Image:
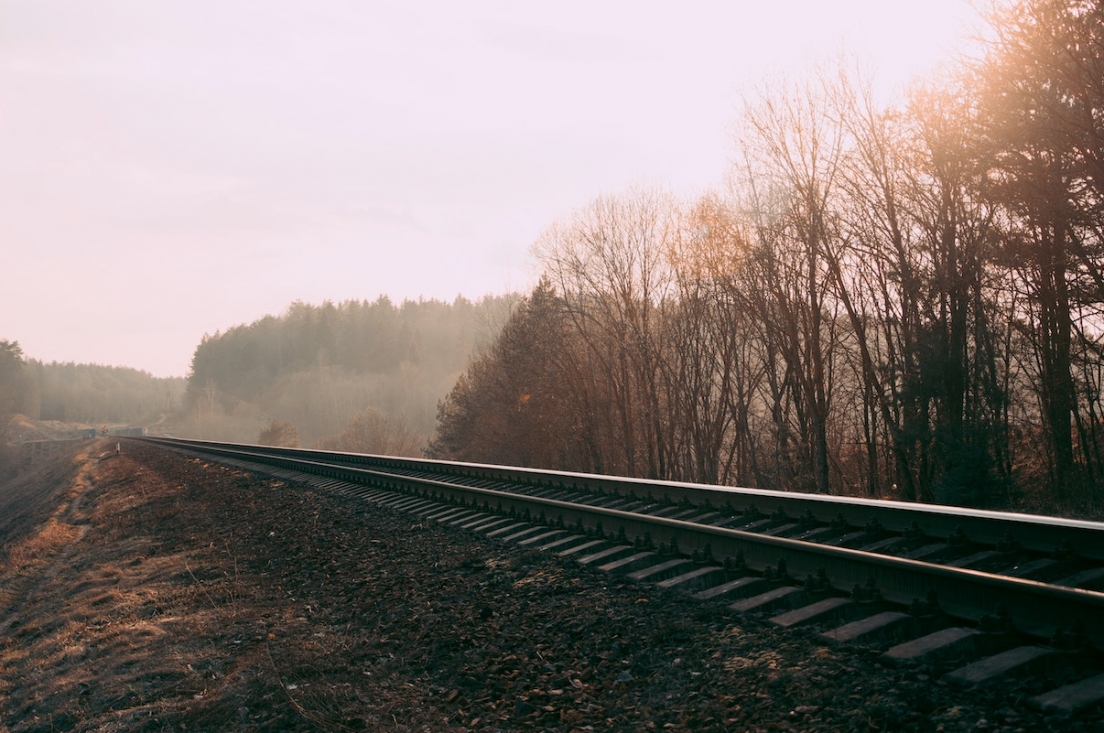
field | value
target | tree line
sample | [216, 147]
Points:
[898, 302]
[88, 394]
[75, 394]
[95, 394]
[14, 392]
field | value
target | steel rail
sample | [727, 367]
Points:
[1035, 608]
[1033, 532]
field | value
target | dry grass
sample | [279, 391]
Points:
[97, 622]
[123, 606]
[41, 547]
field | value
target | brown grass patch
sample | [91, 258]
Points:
[43, 546]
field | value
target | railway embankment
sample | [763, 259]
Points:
[151, 591]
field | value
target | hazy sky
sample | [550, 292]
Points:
[172, 168]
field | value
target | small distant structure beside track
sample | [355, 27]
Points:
[32, 449]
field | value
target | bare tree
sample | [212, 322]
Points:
[911, 276]
[709, 375]
[609, 267]
[794, 148]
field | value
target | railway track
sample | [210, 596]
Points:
[978, 595]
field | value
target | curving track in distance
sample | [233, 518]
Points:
[936, 583]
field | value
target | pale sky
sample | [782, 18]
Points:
[177, 167]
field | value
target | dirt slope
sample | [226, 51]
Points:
[163, 593]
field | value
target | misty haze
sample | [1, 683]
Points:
[892, 290]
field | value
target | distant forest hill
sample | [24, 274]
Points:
[357, 375]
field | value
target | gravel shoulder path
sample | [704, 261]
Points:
[167, 593]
